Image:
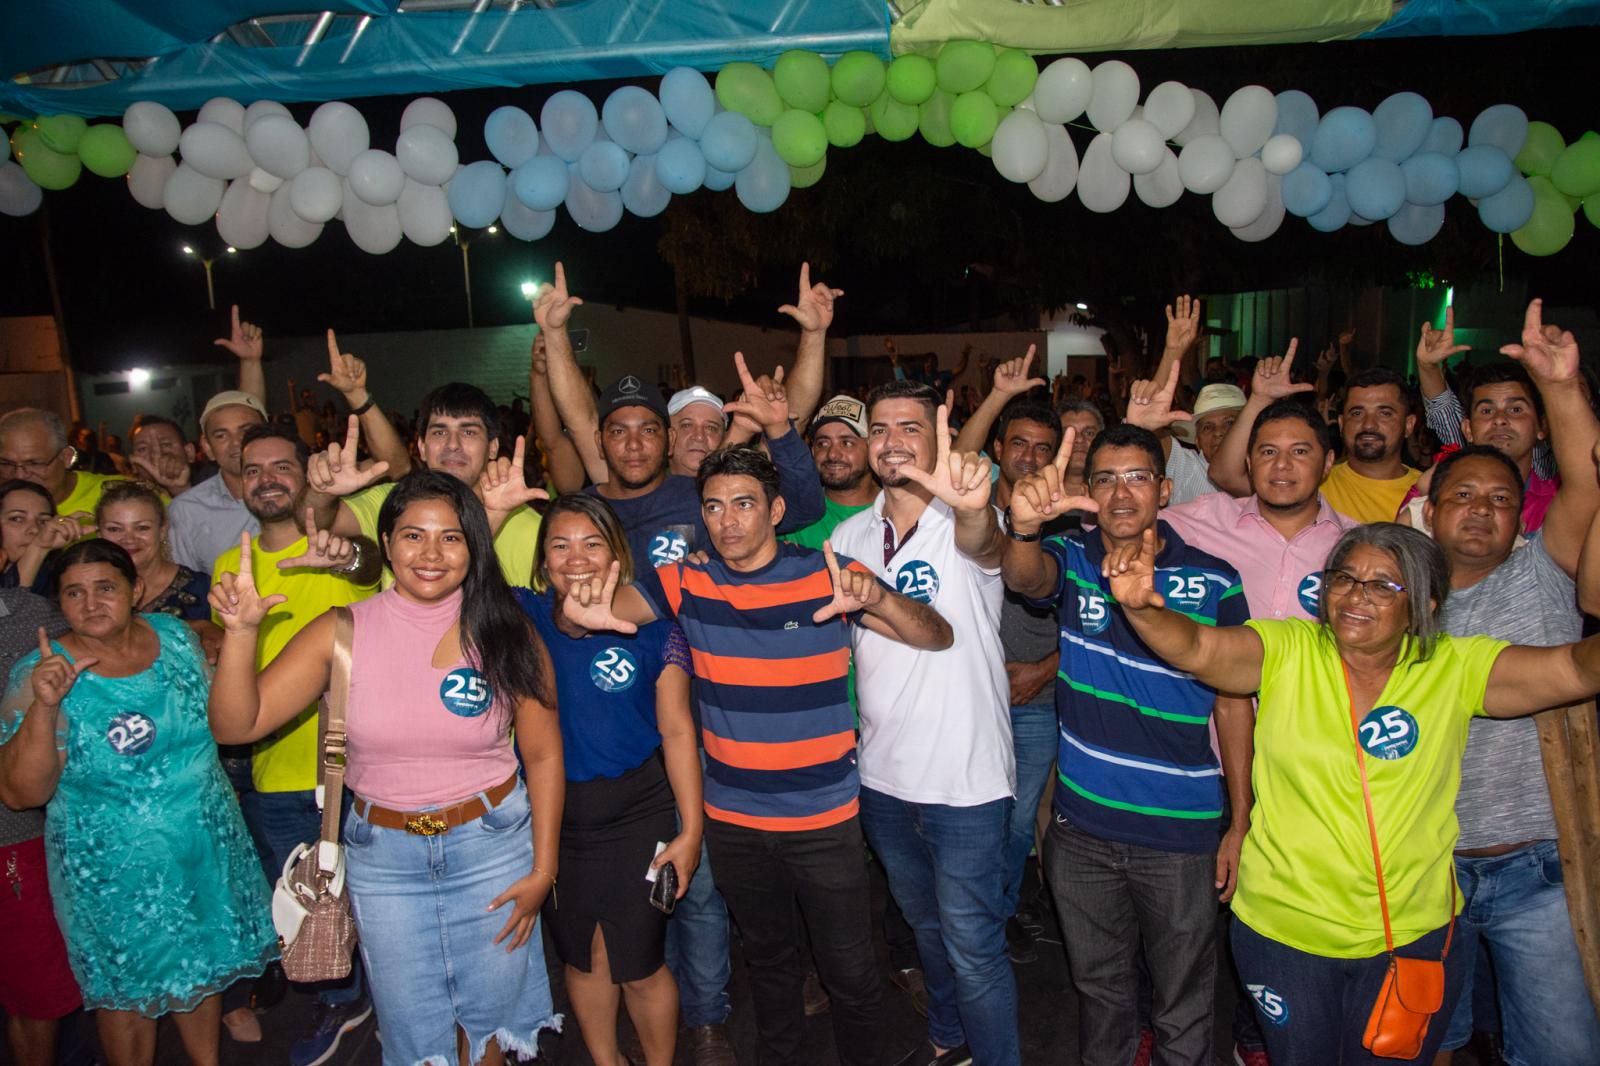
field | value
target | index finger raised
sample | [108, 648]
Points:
[745, 379]
[941, 432]
[246, 564]
[352, 437]
[1069, 438]
[1288, 355]
[828, 557]
[44, 645]
[333, 352]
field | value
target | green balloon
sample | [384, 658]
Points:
[105, 150]
[846, 125]
[805, 177]
[986, 150]
[1577, 168]
[912, 79]
[1552, 224]
[1591, 208]
[48, 168]
[1015, 73]
[61, 133]
[933, 119]
[858, 78]
[893, 120]
[973, 118]
[963, 66]
[799, 138]
[747, 89]
[1540, 150]
[802, 80]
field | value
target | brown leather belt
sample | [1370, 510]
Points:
[432, 823]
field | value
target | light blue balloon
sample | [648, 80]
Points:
[1403, 121]
[511, 136]
[1416, 223]
[718, 180]
[634, 119]
[763, 186]
[688, 100]
[1297, 116]
[1444, 136]
[1359, 220]
[643, 194]
[541, 183]
[1485, 170]
[1376, 188]
[1344, 137]
[1337, 213]
[729, 142]
[524, 223]
[1431, 178]
[477, 194]
[1510, 208]
[604, 166]
[594, 211]
[569, 122]
[1505, 126]
[1306, 190]
[680, 167]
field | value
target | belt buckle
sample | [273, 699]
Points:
[426, 825]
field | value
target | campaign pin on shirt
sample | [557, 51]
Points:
[668, 546]
[1388, 733]
[1093, 612]
[465, 692]
[130, 733]
[614, 670]
[1310, 593]
[917, 580]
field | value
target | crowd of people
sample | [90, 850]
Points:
[631, 675]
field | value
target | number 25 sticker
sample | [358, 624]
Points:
[130, 733]
[1388, 733]
[464, 692]
[613, 670]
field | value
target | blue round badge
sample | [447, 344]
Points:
[465, 692]
[918, 580]
[1183, 586]
[1274, 1008]
[1388, 733]
[668, 546]
[614, 670]
[1094, 614]
[130, 733]
[1310, 592]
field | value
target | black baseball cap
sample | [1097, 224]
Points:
[629, 391]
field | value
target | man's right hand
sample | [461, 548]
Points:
[503, 486]
[1271, 380]
[235, 599]
[554, 305]
[1437, 345]
[1044, 495]
[1011, 377]
[346, 373]
[1183, 323]
[335, 472]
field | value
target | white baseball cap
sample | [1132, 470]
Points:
[693, 394]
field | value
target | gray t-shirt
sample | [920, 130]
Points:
[1028, 634]
[1528, 599]
[21, 614]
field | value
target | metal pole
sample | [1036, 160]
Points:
[211, 293]
[466, 279]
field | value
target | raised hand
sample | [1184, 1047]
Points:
[55, 675]
[1044, 495]
[346, 373]
[1132, 571]
[853, 590]
[960, 479]
[58, 531]
[1549, 353]
[765, 402]
[1271, 380]
[553, 306]
[170, 472]
[892, 350]
[324, 550]
[1183, 323]
[1326, 359]
[1011, 377]
[1437, 345]
[813, 310]
[245, 339]
[336, 472]
[541, 357]
[235, 599]
[1150, 404]
[1347, 336]
[588, 603]
[503, 485]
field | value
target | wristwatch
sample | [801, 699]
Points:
[1025, 538]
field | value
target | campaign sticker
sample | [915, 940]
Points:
[917, 580]
[1094, 614]
[1388, 733]
[464, 692]
[1272, 1005]
[1310, 592]
[668, 546]
[614, 670]
[130, 733]
[1184, 587]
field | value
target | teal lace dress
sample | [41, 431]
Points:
[157, 886]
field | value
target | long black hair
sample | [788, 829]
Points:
[495, 635]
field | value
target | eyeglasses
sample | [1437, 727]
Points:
[1378, 590]
[1134, 479]
[25, 469]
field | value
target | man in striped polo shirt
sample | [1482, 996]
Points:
[1133, 857]
[768, 626]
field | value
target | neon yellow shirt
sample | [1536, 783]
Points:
[287, 760]
[1366, 499]
[1306, 877]
[85, 494]
[513, 545]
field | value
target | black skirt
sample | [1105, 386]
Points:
[609, 830]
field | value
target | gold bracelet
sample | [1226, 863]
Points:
[555, 901]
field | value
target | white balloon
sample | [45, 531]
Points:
[261, 181]
[191, 197]
[424, 212]
[433, 112]
[224, 111]
[1206, 120]
[1243, 196]
[1063, 90]
[523, 222]
[1169, 107]
[278, 145]
[1137, 146]
[1206, 164]
[286, 227]
[1116, 94]
[151, 128]
[1102, 185]
[242, 216]
[375, 228]
[1281, 153]
[261, 109]
[148, 179]
[215, 151]
[1271, 217]
[427, 154]
[316, 194]
[1163, 186]
[1247, 119]
[376, 177]
[338, 134]
[1060, 173]
[1020, 148]
[18, 194]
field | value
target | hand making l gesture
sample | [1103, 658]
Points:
[1271, 380]
[54, 675]
[1043, 495]
[553, 306]
[959, 479]
[853, 590]
[1549, 353]
[336, 472]
[324, 549]
[235, 599]
[1437, 345]
[244, 341]
[764, 402]
[503, 485]
[588, 603]
[1011, 377]
[346, 373]
[1131, 569]
[1150, 403]
[813, 309]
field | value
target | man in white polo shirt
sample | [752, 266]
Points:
[936, 763]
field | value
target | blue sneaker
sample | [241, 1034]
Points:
[333, 1021]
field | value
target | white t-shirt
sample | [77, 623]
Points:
[935, 725]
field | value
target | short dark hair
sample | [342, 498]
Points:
[273, 431]
[146, 421]
[738, 461]
[97, 550]
[1292, 410]
[18, 484]
[457, 399]
[1024, 409]
[906, 389]
[1086, 407]
[1128, 436]
[1375, 377]
[1499, 372]
[1441, 472]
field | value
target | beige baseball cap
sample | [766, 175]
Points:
[847, 409]
[233, 397]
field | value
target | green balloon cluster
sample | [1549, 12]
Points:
[1564, 177]
[54, 150]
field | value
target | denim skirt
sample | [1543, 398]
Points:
[427, 936]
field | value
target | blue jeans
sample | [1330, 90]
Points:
[946, 867]
[1034, 738]
[698, 950]
[1516, 905]
[278, 821]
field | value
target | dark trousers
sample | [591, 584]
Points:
[769, 879]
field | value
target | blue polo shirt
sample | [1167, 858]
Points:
[1134, 762]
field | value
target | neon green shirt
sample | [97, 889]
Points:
[513, 545]
[813, 535]
[1306, 877]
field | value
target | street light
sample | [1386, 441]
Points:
[465, 244]
[206, 261]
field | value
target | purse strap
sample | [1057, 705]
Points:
[331, 742]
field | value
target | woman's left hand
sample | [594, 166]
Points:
[1228, 862]
[526, 896]
[684, 855]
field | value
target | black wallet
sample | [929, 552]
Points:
[664, 890]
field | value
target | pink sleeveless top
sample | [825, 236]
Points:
[419, 736]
